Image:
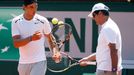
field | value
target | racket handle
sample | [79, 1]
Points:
[57, 61]
[56, 55]
[55, 50]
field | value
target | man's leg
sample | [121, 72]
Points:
[100, 72]
[39, 68]
[24, 69]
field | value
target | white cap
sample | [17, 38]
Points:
[98, 6]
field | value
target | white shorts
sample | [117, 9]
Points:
[101, 72]
[38, 68]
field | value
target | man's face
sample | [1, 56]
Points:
[30, 9]
[98, 18]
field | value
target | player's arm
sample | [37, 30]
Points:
[91, 57]
[114, 56]
[18, 41]
[51, 41]
[111, 42]
[54, 48]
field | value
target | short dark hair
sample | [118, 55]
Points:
[27, 2]
[105, 12]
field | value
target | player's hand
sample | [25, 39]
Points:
[84, 62]
[83, 59]
[56, 55]
[36, 36]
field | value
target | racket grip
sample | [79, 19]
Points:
[55, 50]
[57, 61]
[57, 56]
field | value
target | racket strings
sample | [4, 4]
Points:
[62, 31]
[69, 57]
[65, 62]
[62, 34]
[63, 69]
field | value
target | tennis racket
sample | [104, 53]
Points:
[61, 33]
[66, 63]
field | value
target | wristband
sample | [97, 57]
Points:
[114, 69]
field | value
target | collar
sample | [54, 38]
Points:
[104, 24]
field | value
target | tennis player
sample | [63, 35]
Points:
[28, 32]
[108, 53]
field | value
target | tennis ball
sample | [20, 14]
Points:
[60, 22]
[129, 0]
[54, 21]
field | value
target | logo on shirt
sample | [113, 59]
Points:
[36, 23]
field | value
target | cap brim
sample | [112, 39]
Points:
[90, 14]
